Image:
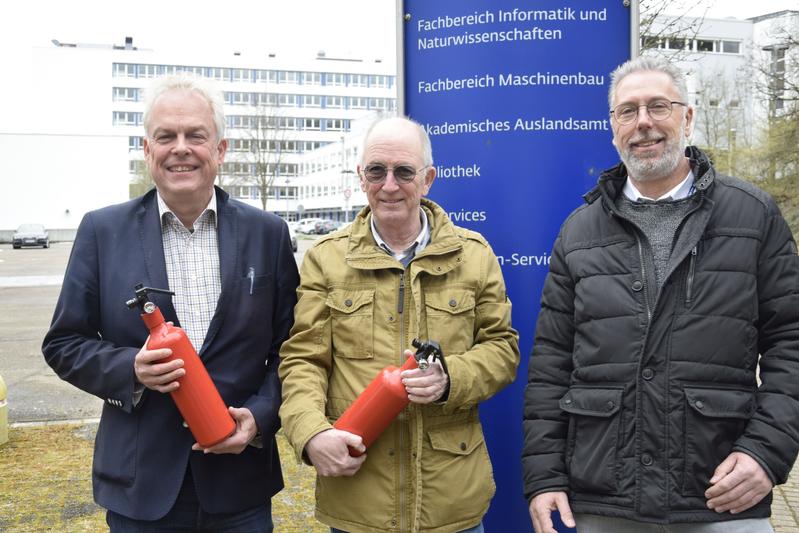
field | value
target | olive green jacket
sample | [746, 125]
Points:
[357, 311]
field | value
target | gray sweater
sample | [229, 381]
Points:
[659, 221]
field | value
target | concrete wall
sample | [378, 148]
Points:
[55, 179]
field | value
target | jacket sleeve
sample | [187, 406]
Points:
[491, 363]
[306, 358]
[772, 434]
[265, 404]
[545, 424]
[74, 346]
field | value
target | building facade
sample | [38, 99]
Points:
[277, 109]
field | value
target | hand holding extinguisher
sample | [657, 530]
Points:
[196, 396]
[386, 396]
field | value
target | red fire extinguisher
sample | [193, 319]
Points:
[197, 398]
[377, 406]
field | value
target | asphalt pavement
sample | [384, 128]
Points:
[30, 281]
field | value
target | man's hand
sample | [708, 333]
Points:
[330, 455]
[154, 374]
[738, 483]
[541, 507]
[245, 431]
[424, 386]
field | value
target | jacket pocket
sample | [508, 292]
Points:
[714, 419]
[115, 446]
[352, 323]
[591, 454]
[450, 318]
[456, 470]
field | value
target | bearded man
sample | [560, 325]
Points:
[668, 291]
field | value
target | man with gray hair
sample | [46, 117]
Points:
[234, 277]
[400, 271]
[668, 290]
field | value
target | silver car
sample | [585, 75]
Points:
[31, 235]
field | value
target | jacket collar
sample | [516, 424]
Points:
[611, 182]
[363, 251]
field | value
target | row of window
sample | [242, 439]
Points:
[235, 170]
[135, 118]
[249, 122]
[132, 94]
[240, 171]
[137, 70]
[136, 143]
[247, 145]
[330, 161]
[715, 46]
[254, 193]
[244, 169]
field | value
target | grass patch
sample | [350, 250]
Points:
[46, 484]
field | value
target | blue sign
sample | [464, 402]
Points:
[514, 97]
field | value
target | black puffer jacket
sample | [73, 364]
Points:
[635, 395]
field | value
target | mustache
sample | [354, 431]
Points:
[644, 138]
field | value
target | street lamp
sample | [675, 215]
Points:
[346, 190]
[286, 191]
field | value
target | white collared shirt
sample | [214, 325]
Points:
[682, 190]
[192, 268]
[419, 244]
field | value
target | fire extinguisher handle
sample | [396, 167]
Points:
[424, 349]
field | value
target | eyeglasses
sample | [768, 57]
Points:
[656, 109]
[377, 173]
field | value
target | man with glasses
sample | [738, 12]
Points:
[643, 410]
[400, 271]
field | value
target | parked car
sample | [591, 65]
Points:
[31, 235]
[324, 227]
[307, 225]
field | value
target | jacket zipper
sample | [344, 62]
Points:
[401, 299]
[401, 318]
[690, 284]
[643, 275]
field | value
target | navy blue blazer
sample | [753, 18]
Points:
[141, 452]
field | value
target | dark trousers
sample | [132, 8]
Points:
[187, 515]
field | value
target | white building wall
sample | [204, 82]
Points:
[55, 179]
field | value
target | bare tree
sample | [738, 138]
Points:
[267, 141]
[142, 180]
[777, 69]
[722, 123]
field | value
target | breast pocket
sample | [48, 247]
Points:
[352, 322]
[714, 419]
[450, 319]
[592, 450]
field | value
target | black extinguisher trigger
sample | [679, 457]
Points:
[424, 349]
[141, 297]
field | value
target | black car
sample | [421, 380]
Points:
[31, 235]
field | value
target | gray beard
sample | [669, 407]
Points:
[653, 169]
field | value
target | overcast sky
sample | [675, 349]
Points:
[363, 28]
[359, 28]
[734, 8]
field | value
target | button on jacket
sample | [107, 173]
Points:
[358, 309]
[636, 393]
